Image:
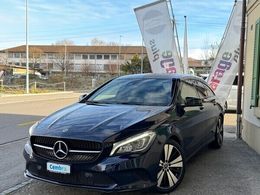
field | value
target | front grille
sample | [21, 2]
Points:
[80, 146]
[72, 143]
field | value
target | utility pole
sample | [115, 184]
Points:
[27, 47]
[119, 53]
[240, 69]
[65, 58]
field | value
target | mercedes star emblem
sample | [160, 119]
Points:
[60, 150]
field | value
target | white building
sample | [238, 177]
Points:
[100, 59]
[251, 108]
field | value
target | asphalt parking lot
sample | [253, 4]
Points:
[234, 169]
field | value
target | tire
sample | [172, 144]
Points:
[219, 133]
[171, 167]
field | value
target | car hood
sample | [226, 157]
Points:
[97, 122]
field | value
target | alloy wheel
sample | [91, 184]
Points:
[219, 132]
[171, 168]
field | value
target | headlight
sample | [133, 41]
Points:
[32, 128]
[28, 149]
[136, 143]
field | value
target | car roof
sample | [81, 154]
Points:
[162, 76]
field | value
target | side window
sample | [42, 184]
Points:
[209, 91]
[203, 90]
[187, 90]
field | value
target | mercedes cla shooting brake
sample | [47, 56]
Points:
[132, 133]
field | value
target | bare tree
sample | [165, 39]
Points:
[112, 68]
[213, 50]
[62, 61]
[97, 42]
[86, 69]
[4, 58]
[35, 57]
[209, 51]
[64, 42]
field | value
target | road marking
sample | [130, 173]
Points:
[9, 142]
[26, 123]
[17, 187]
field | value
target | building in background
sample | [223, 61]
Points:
[200, 66]
[57, 58]
[95, 59]
[251, 106]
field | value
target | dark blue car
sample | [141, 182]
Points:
[132, 133]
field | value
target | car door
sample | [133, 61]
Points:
[211, 110]
[189, 123]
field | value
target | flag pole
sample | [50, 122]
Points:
[240, 69]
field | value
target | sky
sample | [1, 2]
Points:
[83, 20]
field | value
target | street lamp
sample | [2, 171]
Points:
[119, 53]
[27, 47]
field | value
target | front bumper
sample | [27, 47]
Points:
[117, 173]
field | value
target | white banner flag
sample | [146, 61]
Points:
[156, 27]
[225, 66]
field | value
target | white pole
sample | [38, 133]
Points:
[119, 53]
[65, 58]
[142, 57]
[27, 47]
[185, 49]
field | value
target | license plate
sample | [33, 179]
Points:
[58, 168]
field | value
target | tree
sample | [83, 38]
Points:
[97, 42]
[64, 42]
[4, 58]
[146, 65]
[62, 61]
[209, 51]
[35, 57]
[134, 65]
[86, 69]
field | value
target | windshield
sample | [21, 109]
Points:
[149, 92]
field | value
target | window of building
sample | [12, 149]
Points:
[113, 57]
[256, 67]
[44, 56]
[71, 56]
[50, 56]
[92, 57]
[99, 57]
[10, 55]
[78, 56]
[85, 56]
[106, 57]
[17, 55]
[23, 55]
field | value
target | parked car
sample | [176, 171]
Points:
[133, 132]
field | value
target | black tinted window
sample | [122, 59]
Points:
[151, 92]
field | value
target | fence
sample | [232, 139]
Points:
[35, 87]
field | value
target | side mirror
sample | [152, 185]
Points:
[193, 101]
[82, 97]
